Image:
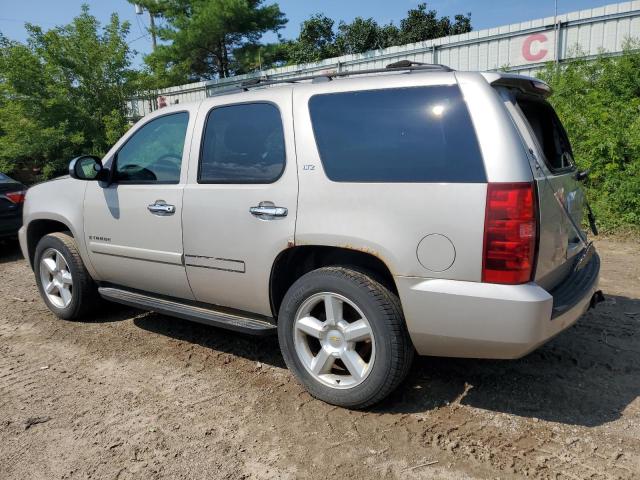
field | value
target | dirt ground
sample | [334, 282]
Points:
[140, 395]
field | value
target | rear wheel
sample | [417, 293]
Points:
[343, 335]
[63, 281]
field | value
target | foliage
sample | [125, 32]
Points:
[63, 92]
[363, 35]
[319, 40]
[422, 24]
[599, 103]
[315, 42]
[202, 39]
[255, 57]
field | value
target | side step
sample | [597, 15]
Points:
[188, 311]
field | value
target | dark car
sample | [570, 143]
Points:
[11, 200]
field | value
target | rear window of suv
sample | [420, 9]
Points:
[549, 132]
[417, 134]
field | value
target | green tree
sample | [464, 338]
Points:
[202, 39]
[599, 104]
[422, 24]
[63, 92]
[362, 35]
[319, 40]
[315, 42]
[255, 57]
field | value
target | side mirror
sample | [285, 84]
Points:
[87, 167]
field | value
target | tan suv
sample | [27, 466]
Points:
[365, 218]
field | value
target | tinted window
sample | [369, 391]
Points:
[242, 144]
[154, 153]
[421, 134]
[549, 132]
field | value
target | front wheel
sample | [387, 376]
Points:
[63, 281]
[343, 336]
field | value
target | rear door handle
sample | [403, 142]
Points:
[160, 207]
[266, 211]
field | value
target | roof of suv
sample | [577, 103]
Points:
[363, 78]
[525, 83]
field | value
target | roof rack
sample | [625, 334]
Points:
[400, 66]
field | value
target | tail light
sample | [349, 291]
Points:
[509, 233]
[16, 197]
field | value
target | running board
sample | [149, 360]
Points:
[187, 311]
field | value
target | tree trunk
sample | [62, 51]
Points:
[225, 57]
[219, 57]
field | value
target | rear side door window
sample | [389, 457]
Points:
[153, 154]
[242, 143]
[417, 134]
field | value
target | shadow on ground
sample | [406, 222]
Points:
[257, 349]
[9, 251]
[586, 376]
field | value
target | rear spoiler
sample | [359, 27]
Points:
[521, 82]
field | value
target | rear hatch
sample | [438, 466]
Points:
[558, 191]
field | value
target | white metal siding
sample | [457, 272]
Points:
[523, 47]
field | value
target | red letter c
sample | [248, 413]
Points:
[526, 47]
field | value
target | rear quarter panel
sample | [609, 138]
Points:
[387, 220]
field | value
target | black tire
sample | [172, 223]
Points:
[84, 293]
[394, 350]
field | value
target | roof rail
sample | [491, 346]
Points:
[401, 66]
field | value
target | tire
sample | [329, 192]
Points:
[308, 336]
[82, 294]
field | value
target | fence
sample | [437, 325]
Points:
[521, 47]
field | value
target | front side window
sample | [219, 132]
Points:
[242, 143]
[154, 153]
[417, 134]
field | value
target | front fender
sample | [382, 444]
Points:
[60, 200]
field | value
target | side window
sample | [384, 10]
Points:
[417, 134]
[242, 143]
[154, 153]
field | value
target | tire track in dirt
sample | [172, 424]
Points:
[140, 395]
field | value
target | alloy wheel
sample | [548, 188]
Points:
[56, 278]
[334, 340]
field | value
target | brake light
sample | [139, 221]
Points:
[16, 197]
[509, 233]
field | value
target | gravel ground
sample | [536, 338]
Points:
[140, 395]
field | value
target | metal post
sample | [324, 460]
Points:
[558, 42]
[556, 32]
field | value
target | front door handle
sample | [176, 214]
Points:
[267, 211]
[160, 207]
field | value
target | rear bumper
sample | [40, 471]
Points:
[482, 320]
